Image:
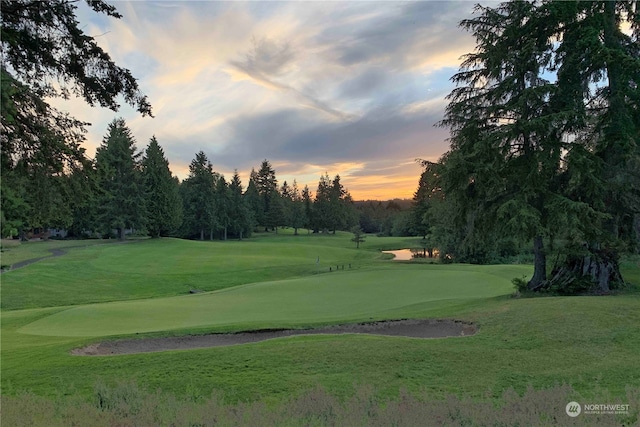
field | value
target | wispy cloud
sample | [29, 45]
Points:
[343, 87]
[267, 61]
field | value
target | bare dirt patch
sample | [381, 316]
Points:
[413, 328]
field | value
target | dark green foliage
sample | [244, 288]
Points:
[122, 198]
[222, 204]
[422, 200]
[322, 205]
[267, 186]
[163, 203]
[308, 207]
[43, 43]
[85, 199]
[198, 196]
[46, 54]
[253, 203]
[544, 144]
[343, 215]
[286, 204]
[384, 218]
[13, 207]
[40, 146]
[499, 122]
[358, 236]
[298, 215]
[241, 219]
[276, 216]
[333, 207]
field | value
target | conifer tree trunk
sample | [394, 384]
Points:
[539, 264]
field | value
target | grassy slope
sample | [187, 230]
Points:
[14, 251]
[167, 267]
[590, 342]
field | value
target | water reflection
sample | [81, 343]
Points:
[409, 254]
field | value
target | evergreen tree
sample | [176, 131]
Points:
[358, 236]
[505, 157]
[199, 198]
[240, 224]
[341, 211]
[308, 208]
[267, 185]
[422, 201]
[40, 147]
[286, 202]
[275, 216]
[43, 44]
[298, 214]
[45, 54]
[253, 202]
[530, 155]
[122, 202]
[163, 203]
[336, 207]
[223, 206]
[321, 220]
[598, 78]
[85, 194]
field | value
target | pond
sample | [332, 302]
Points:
[407, 254]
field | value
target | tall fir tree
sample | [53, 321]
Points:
[286, 202]
[122, 201]
[198, 195]
[321, 220]
[163, 202]
[267, 185]
[223, 207]
[85, 201]
[241, 221]
[342, 214]
[307, 202]
[529, 154]
[297, 209]
[253, 201]
[45, 54]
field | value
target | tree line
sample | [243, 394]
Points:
[123, 189]
[48, 181]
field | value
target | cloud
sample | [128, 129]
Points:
[344, 87]
[266, 61]
[404, 36]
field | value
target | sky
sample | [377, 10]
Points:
[350, 88]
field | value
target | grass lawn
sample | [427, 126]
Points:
[591, 343]
[14, 251]
[164, 267]
[333, 297]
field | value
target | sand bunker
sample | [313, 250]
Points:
[414, 328]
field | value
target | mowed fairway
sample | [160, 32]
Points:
[141, 289]
[166, 267]
[329, 297]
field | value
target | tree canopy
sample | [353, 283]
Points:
[45, 54]
[544, 133]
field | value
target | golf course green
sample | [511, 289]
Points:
[142, 289]
[337, 297]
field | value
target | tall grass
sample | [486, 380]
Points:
[125, 404]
